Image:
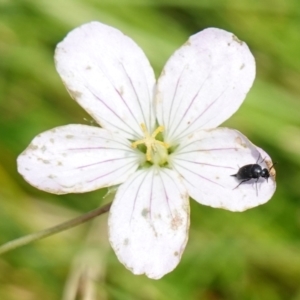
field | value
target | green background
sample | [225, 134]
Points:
[249, 255]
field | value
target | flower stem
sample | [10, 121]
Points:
[50, 231]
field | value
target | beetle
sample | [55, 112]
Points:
[252, 171]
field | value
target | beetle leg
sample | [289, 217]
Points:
[256, 187]
[242, 182]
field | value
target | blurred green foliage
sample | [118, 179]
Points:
[251, 255]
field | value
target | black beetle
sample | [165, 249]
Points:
[252, 171]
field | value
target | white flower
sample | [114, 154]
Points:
[158, 141]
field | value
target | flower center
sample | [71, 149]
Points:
[156, 152]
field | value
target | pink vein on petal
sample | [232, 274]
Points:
[136, 95]
[105, 161]
[148, 92]
[166, 196]
[174, 96]
[99, 148]
[130, 163]
[151, 194]
[110, 140]
[204, 111]
[172, 179]
[141, 183]
[205, 164]
[117, 91]
[111, 110]
[191, 103]
[204, 150]
[198, 175]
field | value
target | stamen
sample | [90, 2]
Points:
[150, 141]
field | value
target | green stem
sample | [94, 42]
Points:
[50, 231]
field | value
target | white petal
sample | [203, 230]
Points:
[207, 159]
[76, 159]
[149, 221]
[203, 83]
[109, 76]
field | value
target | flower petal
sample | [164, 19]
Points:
[149, 221]
[203, 83]
[76, 159]
[109, 76]
[207, 159]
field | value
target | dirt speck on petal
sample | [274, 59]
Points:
[145, 212]
[272, 171]
[237, 40]
[75, 94]
[33, 147]
[45, 161]
[240, 142]
[190, 136]
[176, 221]
[121, 90]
